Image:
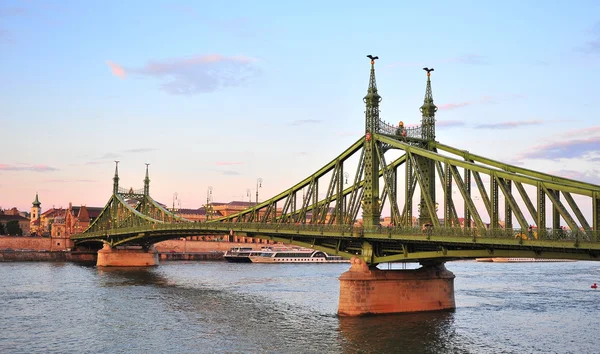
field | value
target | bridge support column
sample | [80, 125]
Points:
[126, 257]
[365, 290]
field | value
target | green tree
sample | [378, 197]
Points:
[2, 229]
[13, 228]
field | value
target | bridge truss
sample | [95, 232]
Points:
[488, 208]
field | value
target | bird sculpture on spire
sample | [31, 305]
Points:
[373, 58]
[428, 70]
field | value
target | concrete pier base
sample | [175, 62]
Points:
[127, 257]
[365, 290]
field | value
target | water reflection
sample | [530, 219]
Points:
[131, 276]
[399, 333]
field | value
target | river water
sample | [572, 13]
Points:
[219, 307]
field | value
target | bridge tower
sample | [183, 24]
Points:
[147, 183]
[426, 167]
[124, 257]
[370, 290]
[370, 202]
[115, 206]
[116, 179]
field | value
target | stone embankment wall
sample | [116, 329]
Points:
[26, 243]
[35, 243]
[203, 256]
[46, 256]
[26, 249]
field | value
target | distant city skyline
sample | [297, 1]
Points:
[219, 94]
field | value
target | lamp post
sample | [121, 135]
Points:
[173, 210]
[258, 185]
[346, 175]
[208, 199]
[249, 194]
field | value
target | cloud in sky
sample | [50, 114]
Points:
[583, 132]
[592, 176]
[483, 99]
[449, 106]
[117, 69]
[564, 149]
[228, 163]
[196, 74]
[231, 173]
[27, 167]
[69, 181]
[593, 45]
[109, 155]
[112, 155]
[508, 125]
[139, 150]
[306, 121]
[449, 123]
[56, 181]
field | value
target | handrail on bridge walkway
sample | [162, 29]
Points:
[356, 231]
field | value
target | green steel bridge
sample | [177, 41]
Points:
[422, 174]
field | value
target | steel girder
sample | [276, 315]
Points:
[502, 177]
[376, 245]
[118, 214]
[120, 224]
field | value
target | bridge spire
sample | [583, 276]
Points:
[147, 182]
[426, 167]
[116, 179]
[372, 100]
[428, 110]
[370, 202]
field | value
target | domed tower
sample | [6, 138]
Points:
[36, 209]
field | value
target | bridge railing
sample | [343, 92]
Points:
[471, 234]
[411, 132]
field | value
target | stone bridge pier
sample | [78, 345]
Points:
[368, 290]
[126, 257]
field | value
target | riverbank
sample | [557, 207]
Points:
[40, 249]
[90, 257]
[10, 255]
[192, 256]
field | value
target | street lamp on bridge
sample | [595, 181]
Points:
[249, 195]
[258, 185]
[208, 200]
[173, 210]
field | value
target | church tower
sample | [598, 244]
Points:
[36, 209]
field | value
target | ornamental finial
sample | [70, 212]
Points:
[373, 58]
[428, 110]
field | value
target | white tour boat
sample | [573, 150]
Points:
[295, 255]
[241, 254]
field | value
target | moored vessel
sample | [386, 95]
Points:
[241, 254]
[296, 255]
